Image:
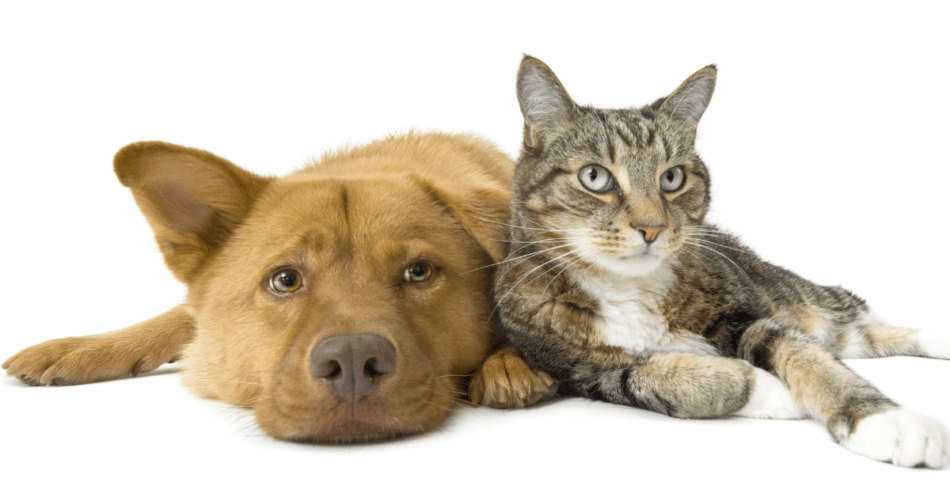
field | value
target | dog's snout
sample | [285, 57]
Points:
[352, 365]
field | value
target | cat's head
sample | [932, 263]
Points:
[622, 189]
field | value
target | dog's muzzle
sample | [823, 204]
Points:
[352, 366]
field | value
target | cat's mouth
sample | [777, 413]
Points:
[640, 261]
[643, 251]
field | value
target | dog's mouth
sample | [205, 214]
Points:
[333, 420]
[357, 389]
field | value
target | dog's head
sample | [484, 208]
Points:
[347, 301]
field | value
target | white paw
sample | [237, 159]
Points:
[934, 343]
[901, 437]
[770, 399]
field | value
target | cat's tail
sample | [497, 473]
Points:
[871, 337]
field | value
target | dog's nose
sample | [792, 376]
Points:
[352, 365]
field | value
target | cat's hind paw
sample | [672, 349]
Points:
[901, 437]
[769, 398]
[505, 381]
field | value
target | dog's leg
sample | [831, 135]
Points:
[857, 415]
[126, 352]
[505, 380]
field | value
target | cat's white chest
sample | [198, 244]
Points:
[630, 316]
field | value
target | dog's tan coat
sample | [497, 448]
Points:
[350, 224]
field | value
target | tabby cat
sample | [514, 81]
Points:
[616, 286]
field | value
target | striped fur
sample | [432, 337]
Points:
[690, 323]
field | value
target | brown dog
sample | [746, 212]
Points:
[347, 301]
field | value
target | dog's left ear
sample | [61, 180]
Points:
[482, 212]
[193, 200]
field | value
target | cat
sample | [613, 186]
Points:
[616, 286]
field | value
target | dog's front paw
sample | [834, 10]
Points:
[505, 380]
[901, 437]
[71, 361]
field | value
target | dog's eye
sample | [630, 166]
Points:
[417, 272]
[286, 281]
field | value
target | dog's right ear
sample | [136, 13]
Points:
[193, 200]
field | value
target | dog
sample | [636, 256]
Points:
[345, 302]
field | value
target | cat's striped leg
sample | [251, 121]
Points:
[872, 338]
[856, 414]
[685, 385]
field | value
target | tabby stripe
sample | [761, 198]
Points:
[668, 148]
[594, 392]
[727, 328]
[622, 133]
[543, 182]
[548, 209]
[668, 408]
[611, 151]
[625, 384]
[859, 407]
[760, 354]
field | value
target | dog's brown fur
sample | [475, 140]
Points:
[350, 224]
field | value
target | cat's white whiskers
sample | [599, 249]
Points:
[510, 259]
[549, 230]
[704, 233]
[528, 242]
[698, 243]
[580, 257]
[574, 257]
[696, 255]
[729, 247]
[517, 283]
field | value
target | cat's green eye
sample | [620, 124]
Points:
[596, 179]
[673, 179]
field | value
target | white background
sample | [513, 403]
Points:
[826, 139]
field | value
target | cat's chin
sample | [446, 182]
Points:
[635, 266]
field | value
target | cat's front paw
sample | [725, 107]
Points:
[901, 437]
[505, 380]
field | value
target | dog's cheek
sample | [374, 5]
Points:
[216, 370]
[467, 333]
[445, 392]
[231, 358]
[275, 423]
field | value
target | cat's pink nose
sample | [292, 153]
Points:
[650, 232]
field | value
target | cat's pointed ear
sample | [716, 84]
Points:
[192, 199]
[688, 103]
[544, 102]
